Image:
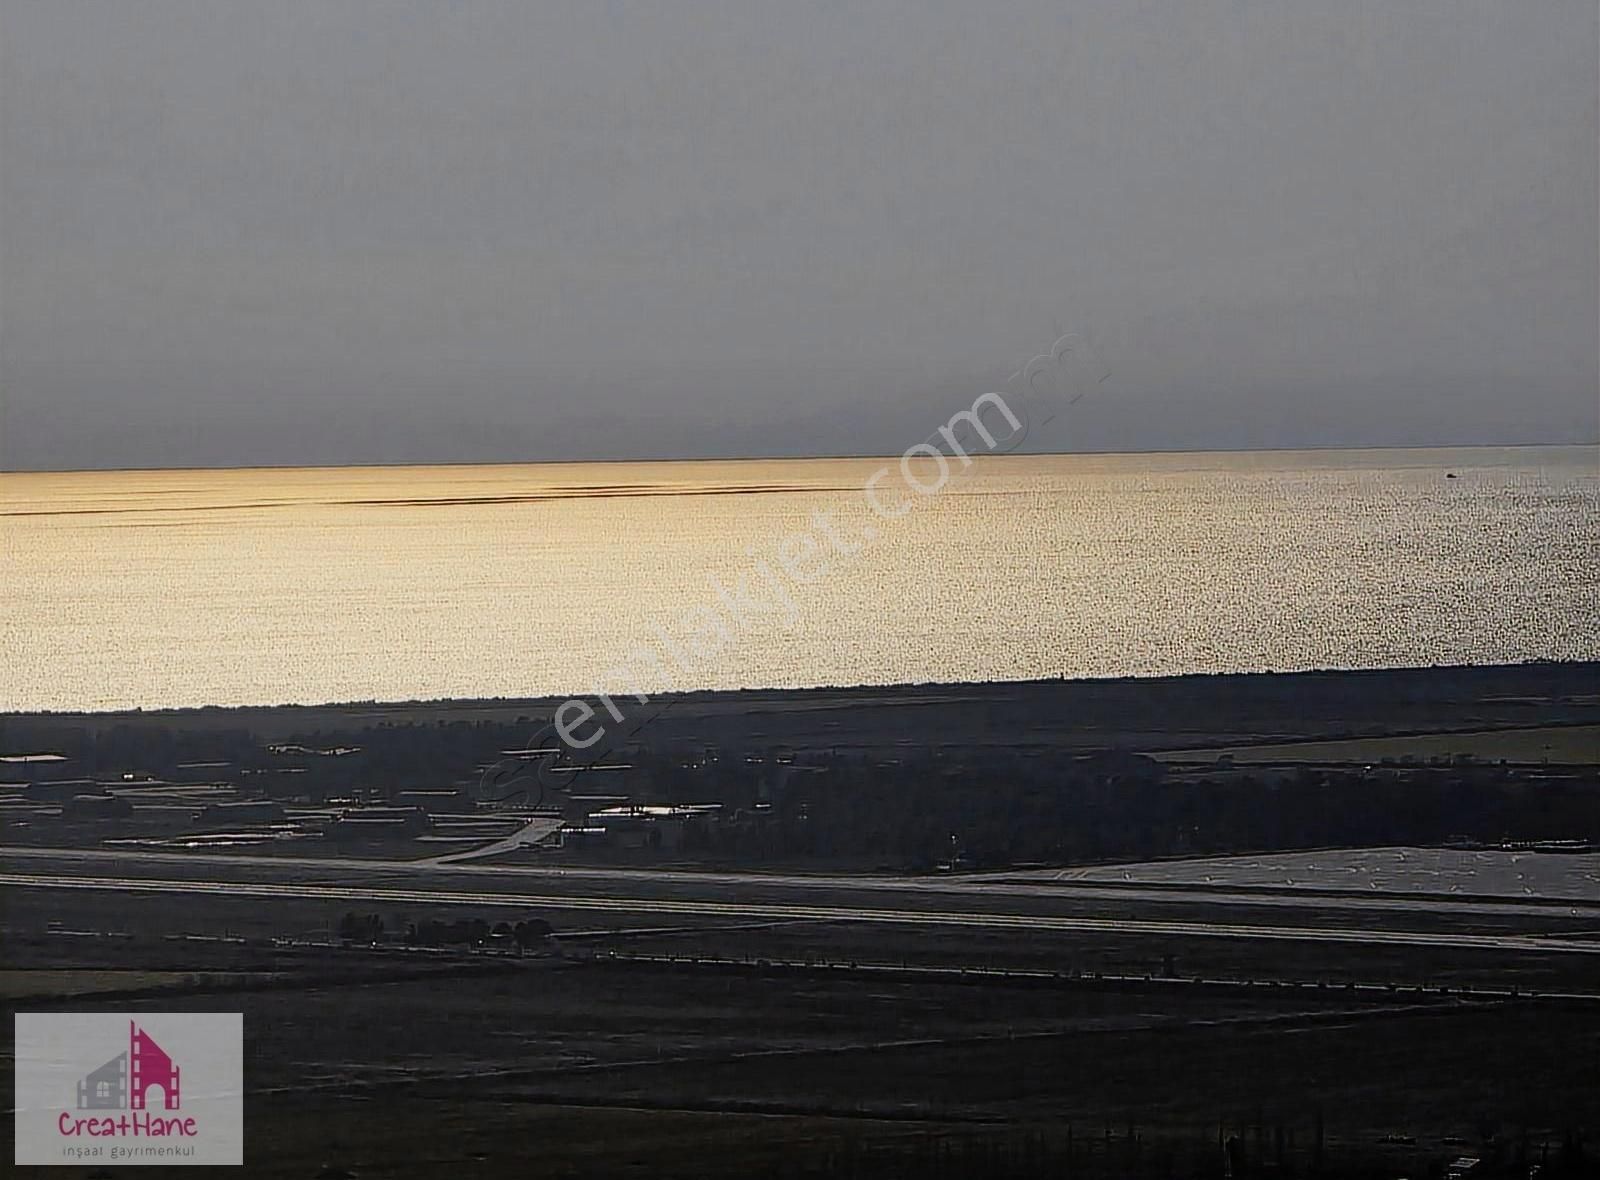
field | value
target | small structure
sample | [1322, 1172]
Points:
[59, 790]
[641, 826]
[31, 768]
[96, 807]
[378, 823]
[437, 802]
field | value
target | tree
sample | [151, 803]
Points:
[364, 928]
[532, 933]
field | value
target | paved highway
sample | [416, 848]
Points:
[712, 903]
[688, 885]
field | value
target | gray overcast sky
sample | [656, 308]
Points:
[277, 232]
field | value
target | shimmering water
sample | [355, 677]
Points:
[231, 587]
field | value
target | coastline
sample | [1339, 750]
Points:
[1436, 699]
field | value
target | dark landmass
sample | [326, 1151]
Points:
[846, 932]
[979, 776]
[1133, 712]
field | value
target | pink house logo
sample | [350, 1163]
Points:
[124, 1082]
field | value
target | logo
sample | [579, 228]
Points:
[107, 1087]
[170, 1093]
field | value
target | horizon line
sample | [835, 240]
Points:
[857, 456]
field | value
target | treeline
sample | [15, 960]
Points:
[371, 930]
[922, 814]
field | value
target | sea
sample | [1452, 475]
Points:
[156, 589]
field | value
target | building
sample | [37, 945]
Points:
[96, 807]
[437, 802]
[380, 823]
[638, 826]
[59, 790]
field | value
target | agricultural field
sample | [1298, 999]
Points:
[1576, 745]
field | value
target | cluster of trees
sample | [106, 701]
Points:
[526, 935]
[992, 806]
[355, 927]
[116, 749]
[924, 812]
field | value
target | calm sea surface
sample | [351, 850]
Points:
[233, 587]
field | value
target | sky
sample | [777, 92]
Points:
[314, 233]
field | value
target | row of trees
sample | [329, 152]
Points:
[370, 929]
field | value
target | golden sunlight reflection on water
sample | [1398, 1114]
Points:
[167, 588]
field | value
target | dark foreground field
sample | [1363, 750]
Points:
[804, 1049]
[553, 1069]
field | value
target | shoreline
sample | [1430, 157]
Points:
[1568, 678]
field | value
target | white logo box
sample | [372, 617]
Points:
[121, 1088]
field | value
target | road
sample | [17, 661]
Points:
[578, 878]
[931, 902]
